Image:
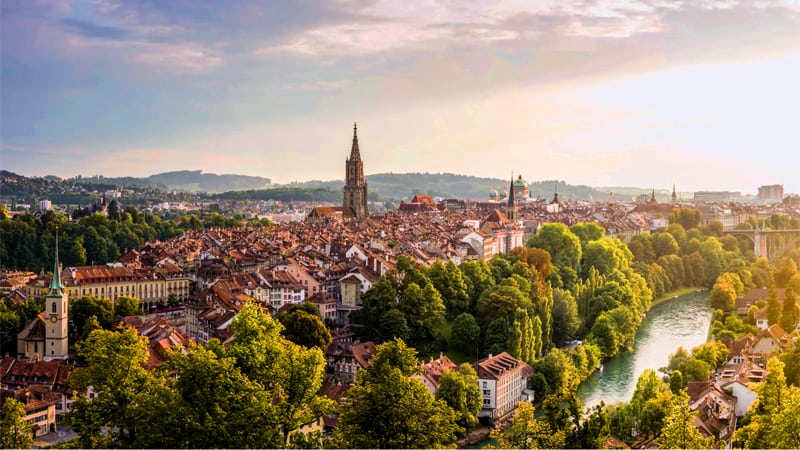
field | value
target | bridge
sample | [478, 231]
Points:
[759, 238]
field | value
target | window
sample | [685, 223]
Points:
[53, 308]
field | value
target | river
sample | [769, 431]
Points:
[683, 321]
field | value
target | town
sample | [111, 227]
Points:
[472, 311]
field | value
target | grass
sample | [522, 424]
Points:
[676, 293]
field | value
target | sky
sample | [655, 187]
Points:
[702, 94]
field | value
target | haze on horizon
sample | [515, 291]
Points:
[605, 93]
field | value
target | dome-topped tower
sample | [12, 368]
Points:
[521, 189]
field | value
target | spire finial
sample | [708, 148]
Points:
[355, 154]
[55, 283]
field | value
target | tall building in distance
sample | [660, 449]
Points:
[771, 194]
[355, 188]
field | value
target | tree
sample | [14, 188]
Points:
[723, 295]
[665, 244]
[306, 329]
[127, 306]
[773, 306]
[84, 307]
[678, 431]
[221, 407]
[291, 374]
[478, 277]
[386, 408]
[423, 309]
[497, 335]
[564, 247]
[565, 316]
[790, 313]
[116, 371]
[15, 431]
[774, 414]
[465, 333]
[526, 431]
[460, 390]
[449, 282]
[393, 324]
[587, 231]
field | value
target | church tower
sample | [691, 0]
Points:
[674, 194]
[56, 327]
[355, 188]
[511, 208]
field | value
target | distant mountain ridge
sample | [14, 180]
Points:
[381, 186]
[406, 185]
[192, 181]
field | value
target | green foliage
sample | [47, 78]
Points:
[15, 431]
[565, 249]
[81, 308]
[13, 318]
[116, 372]
[723, 294]
[386, 408]
[686, 217]
[465, 333]
[306, 329]
[774, 415]
[526, 431]
[126, 306]
[678, 430]
[423, 309]
[450, 284]
[460, 390]
[566, 321]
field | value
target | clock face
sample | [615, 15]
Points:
[53, 319]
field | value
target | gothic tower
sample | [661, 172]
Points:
[56, 305]
[674, 194]
[355, 188]
[511, 208]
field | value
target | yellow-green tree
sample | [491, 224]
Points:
[526, 431]
[15, 431]
[387, 408]
[775, 415]
[678, 431]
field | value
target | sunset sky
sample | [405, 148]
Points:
[607, 93]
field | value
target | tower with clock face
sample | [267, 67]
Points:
[56, 342]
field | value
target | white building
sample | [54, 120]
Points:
[503, 380]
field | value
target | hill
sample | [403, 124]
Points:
[405, 186]
[191, 181]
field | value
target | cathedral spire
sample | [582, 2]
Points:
[511, 209]
[55, 283]
[355, 154]
[511, 191]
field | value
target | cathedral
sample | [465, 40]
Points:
[355, 188]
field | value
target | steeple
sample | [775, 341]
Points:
[55, 283]
[555, 195]
[355, 154]
[653, 196]
[511, 191]
[511, 209]
[674, 194]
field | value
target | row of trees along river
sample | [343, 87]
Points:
[568, 283]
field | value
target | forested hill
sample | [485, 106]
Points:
[406, 185]
[190, 180]
[240, 187]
